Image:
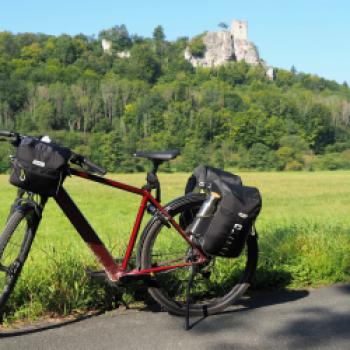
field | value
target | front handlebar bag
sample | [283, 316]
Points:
[40, 167]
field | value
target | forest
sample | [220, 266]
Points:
[143, 95]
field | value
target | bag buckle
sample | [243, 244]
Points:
[22, 175]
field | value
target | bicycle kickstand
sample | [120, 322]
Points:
[188, 297]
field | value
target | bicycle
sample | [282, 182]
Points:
[178, 274]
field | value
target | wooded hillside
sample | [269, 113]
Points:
[106, 106]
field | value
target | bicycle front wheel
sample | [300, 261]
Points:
[15, 243]
[217, 284]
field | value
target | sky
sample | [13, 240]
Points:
[312, 35]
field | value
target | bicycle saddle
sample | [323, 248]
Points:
[160, 155]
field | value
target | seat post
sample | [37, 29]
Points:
[157, 158]
[152, 179]
[156, 163]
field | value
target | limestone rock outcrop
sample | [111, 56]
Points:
[219, 48]
[228, 45]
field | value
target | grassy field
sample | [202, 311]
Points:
[304, 237]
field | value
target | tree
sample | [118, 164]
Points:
[109, 89]
[229, 115]
[319, 128]
[196, 46]
[192, 154]
[4, 158]
[259, 157]
[32, 51]
[143, 64]
[234, 73]
[159, 41]
[65, 50]
[44, 113]
[223, 25]
[106, 150]
[8, 45]
[293, 70]
[119, 36]
[158, 34]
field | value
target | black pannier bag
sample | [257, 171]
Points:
[228, 228]
[40, 167]
[204, 175]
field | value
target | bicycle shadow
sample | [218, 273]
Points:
[316, 325]
[261, 294]
[344, 288]
[268, 288]
[256, 300]
[47, 326]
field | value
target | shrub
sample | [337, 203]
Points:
[258, 157]
[196, 46]
[332, 161]
[294, 165]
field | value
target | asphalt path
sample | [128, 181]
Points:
[304, 319]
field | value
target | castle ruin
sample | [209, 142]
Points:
[220, 47]
[239, 29]
[228, 45]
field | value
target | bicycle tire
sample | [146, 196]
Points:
[15, 243]
[236, 282]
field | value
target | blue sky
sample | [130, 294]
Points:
[313, 35]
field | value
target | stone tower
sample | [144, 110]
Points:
[239, 29]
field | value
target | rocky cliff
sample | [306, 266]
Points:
[228, 45]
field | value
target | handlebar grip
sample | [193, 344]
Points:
[95, 168]
[81, 160]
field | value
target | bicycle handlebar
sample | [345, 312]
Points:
[94, 167]
[81, 160]
[5, 133]
[75, 158]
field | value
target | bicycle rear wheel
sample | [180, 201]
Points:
[217, 285]
[15, 242]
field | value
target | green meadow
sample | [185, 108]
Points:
[304, 238]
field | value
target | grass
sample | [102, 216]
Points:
[304, 237]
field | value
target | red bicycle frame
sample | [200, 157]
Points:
[114, 270]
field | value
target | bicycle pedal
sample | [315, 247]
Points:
[137, 280]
